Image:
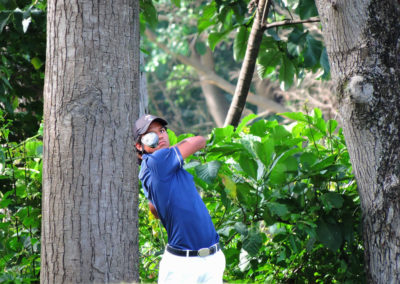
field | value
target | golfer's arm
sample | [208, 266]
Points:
[191, 145]
[153, 210]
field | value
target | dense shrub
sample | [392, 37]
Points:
[20, 207]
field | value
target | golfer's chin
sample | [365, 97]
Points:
[162, 145]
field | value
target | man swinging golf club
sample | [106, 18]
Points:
[193, 253]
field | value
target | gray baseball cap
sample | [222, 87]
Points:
[143, 123]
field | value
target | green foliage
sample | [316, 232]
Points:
[196, 28]
[284, 201]
[291, 54]
[20, 207]
[22, 55]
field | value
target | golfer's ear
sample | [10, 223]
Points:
[138, 146]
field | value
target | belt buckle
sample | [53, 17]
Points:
[204, 252]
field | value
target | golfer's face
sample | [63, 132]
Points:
[162, 134]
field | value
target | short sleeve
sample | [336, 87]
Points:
[165, 162]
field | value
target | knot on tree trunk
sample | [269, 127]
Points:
[360, 91]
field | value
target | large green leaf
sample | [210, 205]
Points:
[278, 209]
[8, 4]
[321, 125]
[246, 196]
[265, 150]
[240, 43]
[149, 12]
[4, 17]
[332, 124]
[253, 242]
[286, 73]
[248, 165]
[267, 62]
[329, 234]
[259, 128]
[324, 163]
[307, 160]
[209, 171]
[296, 41]
[224, 150]
[207, 18]
[278, 175]
[215, 37]
[299, 116]
[312, 53]
[244, 121]
[222, 134]
[297, 36]
[280, 133]
[241, 229]
[333, 199]
[306, 9]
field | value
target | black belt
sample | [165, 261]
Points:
[201, 252]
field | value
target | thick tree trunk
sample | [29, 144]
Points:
[363, 43]
[89, 218]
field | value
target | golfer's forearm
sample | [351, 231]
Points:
[191, 145]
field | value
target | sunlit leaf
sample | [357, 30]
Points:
[244, 121]
[230, 186]
[299, 116]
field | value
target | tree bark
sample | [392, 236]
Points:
[249, 62]
[91, 100]
[217, 104]
[363, 44]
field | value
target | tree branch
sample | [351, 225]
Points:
[288, 23]
[211, 77]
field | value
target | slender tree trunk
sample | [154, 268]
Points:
[363, 43]
[249, 62]
[91, 94]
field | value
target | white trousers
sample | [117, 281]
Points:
[196, 269]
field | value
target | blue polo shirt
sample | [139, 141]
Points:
[172, 191]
